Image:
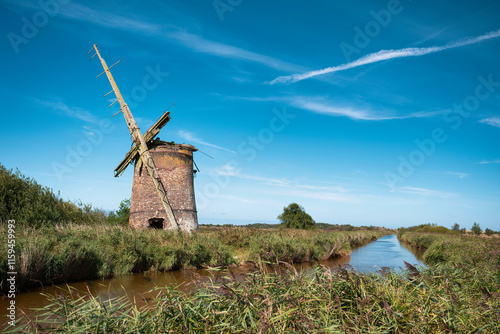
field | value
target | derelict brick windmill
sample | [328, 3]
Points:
[162, 190]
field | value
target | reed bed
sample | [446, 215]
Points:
[293, 245]
[444, 299]
[455, 248]
[66, 253]
[458, 292]
[70, 252]
[307, 246]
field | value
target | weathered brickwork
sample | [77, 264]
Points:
[174, 163]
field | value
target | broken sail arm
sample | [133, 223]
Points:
[140, 143]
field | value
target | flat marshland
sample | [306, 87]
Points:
[64, 253]
[458, 292]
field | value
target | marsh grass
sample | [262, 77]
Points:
[70, 252]
[457, 293]
[455, 248]
[432, 300]
[66, 253]
[300, 246]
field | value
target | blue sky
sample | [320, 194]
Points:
[366, 113]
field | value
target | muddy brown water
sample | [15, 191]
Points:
[384, 252]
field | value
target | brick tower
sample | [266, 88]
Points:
[174, 163]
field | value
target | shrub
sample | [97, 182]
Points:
[294, 216]
[476, 229]
[30, 204]
[122, 215]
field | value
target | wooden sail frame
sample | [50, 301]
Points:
[148, 136]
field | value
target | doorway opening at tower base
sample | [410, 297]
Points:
[156, 223]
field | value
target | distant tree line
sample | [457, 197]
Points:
[345, 227]
[455, 229]
[295, 216]
[476, 229]
[120, 216]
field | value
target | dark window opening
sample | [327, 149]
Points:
[156, 223]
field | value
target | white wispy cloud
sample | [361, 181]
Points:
[230, 170]
[283, 187]
[60, 107]
[80, 12]
[318, 106]
[486, 162]
[313, 187]
[324, 105]
[385, 55]
[191, 137]
[426, 192]
[286, 187]
[199, 44]
[237, 199]
[493, 121]
[165, 32]
[457, 174]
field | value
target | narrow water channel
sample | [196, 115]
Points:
[384, 252]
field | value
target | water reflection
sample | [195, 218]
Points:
[384, 252]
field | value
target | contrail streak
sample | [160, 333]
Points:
[386, 55]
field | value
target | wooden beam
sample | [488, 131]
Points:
[149, 135]
[142, 146]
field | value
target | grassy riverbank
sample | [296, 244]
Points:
[438, 299]
[456, 293]
[64, 253]
[60, 241]
[454, 248]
